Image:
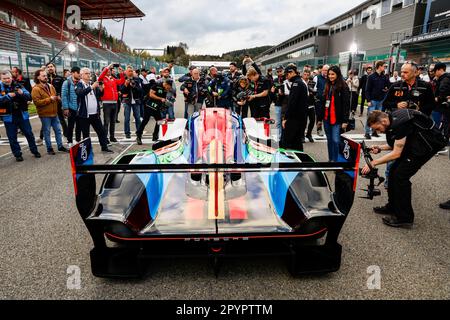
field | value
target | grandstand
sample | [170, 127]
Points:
[31, 34]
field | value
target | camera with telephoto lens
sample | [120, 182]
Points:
[243, 95]
[412, 105]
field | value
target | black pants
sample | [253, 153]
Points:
[260, 111]
[62, 120]
[119, 103]
[148, 113]
[292, 135]
[311, 117]
[96, 123]
[363, 101]
[72, 121]
[399, 186]
[354, 101]
[109, 119]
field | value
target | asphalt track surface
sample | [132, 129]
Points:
[41, 235]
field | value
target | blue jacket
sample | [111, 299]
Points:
[82, 93]
[376, 87]
[223, 88]
[68, 95]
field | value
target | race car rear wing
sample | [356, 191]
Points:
[84, 171]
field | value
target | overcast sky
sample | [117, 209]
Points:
[219, 26]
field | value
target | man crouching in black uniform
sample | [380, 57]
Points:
[414, 140]
[153, 107]
[294, 122]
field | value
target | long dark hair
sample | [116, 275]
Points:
[339, 83]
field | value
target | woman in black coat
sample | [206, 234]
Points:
[336, 111]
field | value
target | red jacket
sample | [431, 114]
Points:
[111, 84]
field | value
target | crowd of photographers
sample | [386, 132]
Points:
[301, 100]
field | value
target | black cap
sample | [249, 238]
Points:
[440, 66]
[289, 69]
[75, 69]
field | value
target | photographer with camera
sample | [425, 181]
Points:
[110, 96]
[190, 89]
[154, 105]
[413, 140]
[410, 92]
[220, 89]
[171, 96]
[14, 112]
[131, 100]
[240, 96]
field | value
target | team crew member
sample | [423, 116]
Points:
[259, 101]
[337, 110]
[89, 96]
[109, 99]
[410, 92]
[294, 122]
[154, 105]
[414, 140]
[190, 89]
[14, 112]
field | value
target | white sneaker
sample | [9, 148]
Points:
[443, 152]
[39, 142]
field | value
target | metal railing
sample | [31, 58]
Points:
[431, 27]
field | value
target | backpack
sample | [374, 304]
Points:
[427, 133]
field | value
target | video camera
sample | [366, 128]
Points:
[372, 189]
[244, 95]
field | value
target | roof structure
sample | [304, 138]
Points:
[95, 10]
